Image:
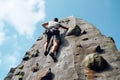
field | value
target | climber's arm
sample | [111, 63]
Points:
[45, 24]
[64, 27]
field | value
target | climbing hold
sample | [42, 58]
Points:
[74, 31]
[112, 39]
[17, 73]
[27, 53]
[85, 39]
[98, 49]
[35, 67]
[79, 45]
[21, 66]
[26, 57]
[48, 76]
[21, 75]
[40, 38]
[36, 54]
[84, 32]
[67, 21]
[95, 62]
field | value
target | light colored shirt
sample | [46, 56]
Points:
[53, 24]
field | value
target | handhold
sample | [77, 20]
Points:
[36, 54]
[35, 67]
[27, 53]
[17, 72]
[21, 75]
[12, 70]
[79, 45]
[112, 39]
[26, 57]
[40, 38]
[85, 39]
[67, 21]
[84, 32]
[95, 62]
[98, 49]
[74, 31]
[21, 66]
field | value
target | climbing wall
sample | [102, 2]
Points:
[84, 54]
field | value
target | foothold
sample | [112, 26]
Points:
[95, 62]
[62, 21]
[27, 53]
[98, 49]
[84, 32]
[112, 39]
[85, 39]
[12, 70]
[37, 53]
[75, 62]
[21, 66]
[17, 72]
[26, 57]
[79, 45]
[35, 67]
[21, 75]
[48, 61]
[67, 21]
[40, 38]
[77, 54]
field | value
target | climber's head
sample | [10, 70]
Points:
[56, 19]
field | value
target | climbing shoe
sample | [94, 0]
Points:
[53, 57]
[46, 53]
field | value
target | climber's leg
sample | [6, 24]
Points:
[47, 44]
[56, 40]
[45, 47]
[55, 46]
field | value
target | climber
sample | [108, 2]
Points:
[52, 30]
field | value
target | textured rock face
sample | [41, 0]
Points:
[81, 40]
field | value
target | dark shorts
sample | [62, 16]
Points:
[55, 34]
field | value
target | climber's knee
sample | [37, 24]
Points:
[56, 42]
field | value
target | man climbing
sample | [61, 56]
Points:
[52, 30]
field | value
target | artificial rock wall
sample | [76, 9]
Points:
[84, 54]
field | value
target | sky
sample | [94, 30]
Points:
[20, 23]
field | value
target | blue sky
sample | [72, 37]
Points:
[20, 23]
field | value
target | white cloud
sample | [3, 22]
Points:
[22, 14]
[11, 60]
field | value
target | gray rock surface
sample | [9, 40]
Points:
[79, 42]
